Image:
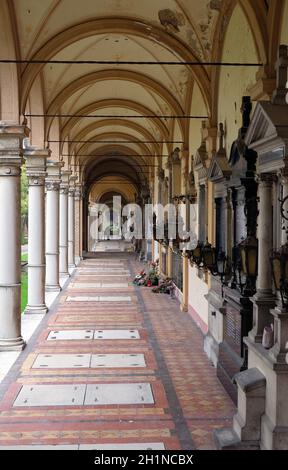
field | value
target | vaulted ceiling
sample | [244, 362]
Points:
[116, 31]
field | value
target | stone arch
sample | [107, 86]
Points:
[103, 25]
[256, 18]
[9, 73]
[131, 105]
[109, 74]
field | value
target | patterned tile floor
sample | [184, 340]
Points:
[189, 401]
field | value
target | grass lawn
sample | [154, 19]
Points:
[24, 257]
[24, 290]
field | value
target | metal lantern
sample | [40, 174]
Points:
[221, 263]
[221, 267]
[197, 254]
[279, 264]
[210, 257]
[249, 256]
[249, 262]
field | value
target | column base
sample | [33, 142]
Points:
[64, 274]
[13, 344]
[53, 288]
[38, 309]
[273, 437]
[227, 439]
[72, 265]
[211, 348]
[184, 308]
[262, 304]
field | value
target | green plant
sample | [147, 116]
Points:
[24, 291]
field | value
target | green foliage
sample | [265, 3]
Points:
[24, 192]
[24, 291]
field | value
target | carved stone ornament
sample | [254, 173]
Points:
[175, 156]
[219, 169]
[52, 186]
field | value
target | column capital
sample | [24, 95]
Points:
[79, 192]
[267, 179]
[11, 147]
[53, 178]
[64, 185]
[11, 139]
[36, 164]
[72, 185]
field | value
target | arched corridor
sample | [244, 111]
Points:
[144, 136]
[105, 332]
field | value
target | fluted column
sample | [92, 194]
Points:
[263, 300]
[36, 172]
[63, 233]
[71, 222]
[11, 138]
[52, 226]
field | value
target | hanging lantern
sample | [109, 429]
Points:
[221, 267]
[209, 257]
[249, 256]
[221, 264]
[196, 254]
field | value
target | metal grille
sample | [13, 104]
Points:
[177, 270]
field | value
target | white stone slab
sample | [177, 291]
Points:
[85, 285]
[115, 284]
[39, 447]
[97, 298]
[96, 285]
[104, 270]
[65, 335]
[115, 298]
[119, 394]
[117, 360]
[50, 395]
[96, 275]
[62, 361]
[116, 334]
[83, 298]
[126, 446]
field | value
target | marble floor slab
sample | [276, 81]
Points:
[65, 335]
[119, 394]
[117, 360]
[50, 395]
[116, 334]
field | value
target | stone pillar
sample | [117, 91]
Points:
[263, 300]
[185, 299]
[36, 172]
[63, 233]
[52, 226]
[169, 262]
[78, 222]
[11, 138]
[71, 222]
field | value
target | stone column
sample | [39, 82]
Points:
[36, 172]
[263, 300]
[63, 233]
[71, 222]
[11, 138]
[169, 262]
[185, 299]
[52, 226]
[78, 224]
